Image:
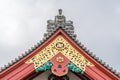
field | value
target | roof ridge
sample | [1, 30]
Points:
[52, 27]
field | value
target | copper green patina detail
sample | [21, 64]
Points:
[74, 68]
[44, 67]
[71, 66]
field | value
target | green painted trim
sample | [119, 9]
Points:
[71, 66]
[44, 67]
[74, 68]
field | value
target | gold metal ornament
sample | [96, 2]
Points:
[59, 44]
[60, 59]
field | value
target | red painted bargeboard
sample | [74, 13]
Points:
[20, 69]
[20, 72]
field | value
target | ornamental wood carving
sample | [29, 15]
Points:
[60, 45]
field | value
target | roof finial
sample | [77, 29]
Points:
[60, 11]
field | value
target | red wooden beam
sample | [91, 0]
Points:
[20, 70]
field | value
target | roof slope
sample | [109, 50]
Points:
[54, 27]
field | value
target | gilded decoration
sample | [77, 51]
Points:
[59, 44]
[60, 59]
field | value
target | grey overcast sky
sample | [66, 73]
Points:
[96, 23]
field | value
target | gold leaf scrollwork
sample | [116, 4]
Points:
[59, 44]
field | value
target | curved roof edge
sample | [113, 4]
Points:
[52, 27]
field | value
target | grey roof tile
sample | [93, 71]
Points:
[67, 26]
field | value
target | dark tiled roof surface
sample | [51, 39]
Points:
[52, 27]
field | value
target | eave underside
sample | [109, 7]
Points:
[34, 75]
